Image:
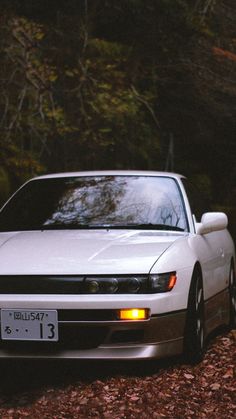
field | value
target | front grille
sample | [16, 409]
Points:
[41, 284]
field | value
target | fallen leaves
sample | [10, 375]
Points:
[153, 390]
[189, 376]
[229, 373]
[215, 386]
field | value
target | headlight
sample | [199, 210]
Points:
[134, 285]
[162, 282]
[116, 285]
[92, 286]
[138, 284]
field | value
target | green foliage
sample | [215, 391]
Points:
[30, 113]
[104, 86]
[107, 116]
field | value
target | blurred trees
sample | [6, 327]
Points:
[105, 84]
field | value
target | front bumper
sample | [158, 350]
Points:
[160, 336]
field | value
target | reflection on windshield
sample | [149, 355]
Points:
[96, 202]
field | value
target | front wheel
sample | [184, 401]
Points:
[232, 298]
[194, 340]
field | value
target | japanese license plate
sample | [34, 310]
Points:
[19, 324]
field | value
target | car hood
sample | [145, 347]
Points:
[82, 252]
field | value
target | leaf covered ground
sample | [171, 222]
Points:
[164, 389]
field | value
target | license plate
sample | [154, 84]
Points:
[29, 325]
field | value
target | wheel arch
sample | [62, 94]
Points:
[196, 270]
[194, 336]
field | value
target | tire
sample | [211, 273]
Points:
[232, 298]
[194, 339]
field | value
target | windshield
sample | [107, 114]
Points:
[96, 202]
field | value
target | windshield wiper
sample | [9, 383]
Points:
[74, 226]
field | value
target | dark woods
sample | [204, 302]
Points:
[127, 84]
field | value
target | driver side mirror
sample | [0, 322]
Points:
[212, 221]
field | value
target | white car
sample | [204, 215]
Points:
[112, 265]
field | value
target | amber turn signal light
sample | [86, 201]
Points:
[133, 314]
[172, 281]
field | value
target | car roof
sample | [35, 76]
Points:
[110, 173]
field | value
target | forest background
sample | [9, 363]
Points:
[128, 84]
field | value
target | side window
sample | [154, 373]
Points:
[197, 200]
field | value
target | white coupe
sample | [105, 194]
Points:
[112, 265]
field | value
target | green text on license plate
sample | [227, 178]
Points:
[20, 324]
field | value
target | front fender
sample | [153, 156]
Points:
[180, 255]
[181, 258]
